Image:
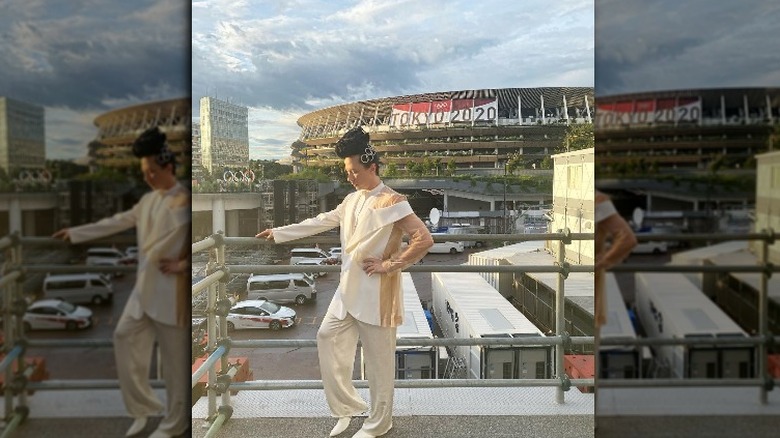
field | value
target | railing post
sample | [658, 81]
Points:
[16, 260]
[221, 296]
[763, 327]
[211, 329]
[9, 340]
[559, 316]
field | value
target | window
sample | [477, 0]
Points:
[269, 285]
[66, 284]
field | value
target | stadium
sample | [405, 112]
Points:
[470, 131]
[117, 129]
[685, 129]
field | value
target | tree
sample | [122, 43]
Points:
[579, 136]
[391, 170]
[451, 168]
[547, 163]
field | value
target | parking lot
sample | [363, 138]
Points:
[86, 363]
[302, 363]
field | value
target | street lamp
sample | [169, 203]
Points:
[504, 222]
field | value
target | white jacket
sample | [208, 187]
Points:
[161, 219]
[372, 225]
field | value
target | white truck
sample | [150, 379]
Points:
[466, 306]
[622, 361]
[669, 305]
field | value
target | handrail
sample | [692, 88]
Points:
[416, 383]
[434, 342]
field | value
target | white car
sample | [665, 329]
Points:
[315, 262]
[653, 247]
[131, 254]
[446, 248]
[107, 256]
[335, 252]
[56, 314]
[251, 314]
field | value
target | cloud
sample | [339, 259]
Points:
[645, 46]
[85, 57]
[304, 55]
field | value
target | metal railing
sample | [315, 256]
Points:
[16, 343]
[764, 340]
[218, 305]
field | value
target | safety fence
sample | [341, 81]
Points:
[763, 339]
[16, 343]
[219, 343]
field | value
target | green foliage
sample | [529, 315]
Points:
[451, 167]
[391, 170]
[579, 136]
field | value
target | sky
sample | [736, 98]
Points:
[81, 58]
[670, 44]
[283, 59]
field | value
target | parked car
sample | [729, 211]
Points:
[313, 262]
[79, 288]
[304, 254]
[446, 247]
[56, 314]
[296, 287]
[107, 256]
[654, 247]
[251, 314]
[131, 254]
[335, 253]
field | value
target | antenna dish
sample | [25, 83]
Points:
[638, 216]
[435, 215]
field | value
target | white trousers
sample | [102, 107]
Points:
[133, 348]
[336, 346]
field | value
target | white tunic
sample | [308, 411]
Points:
[161, 219]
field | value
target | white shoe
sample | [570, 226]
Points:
[340, 426]
[160, 434]
[139, 424]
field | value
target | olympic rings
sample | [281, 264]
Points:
[246, 176]
[32, 176]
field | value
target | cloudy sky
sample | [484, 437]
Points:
[669, 44]
[81, 58]
[283, 59]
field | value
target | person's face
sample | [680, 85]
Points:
[154, 174]
[359, 176]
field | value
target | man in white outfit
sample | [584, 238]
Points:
[154, 309]
[368, 303]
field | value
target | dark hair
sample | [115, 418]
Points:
[355, 142]
[152, 143]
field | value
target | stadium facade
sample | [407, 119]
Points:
[475, 130]
[685, 129]
[118, 129]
